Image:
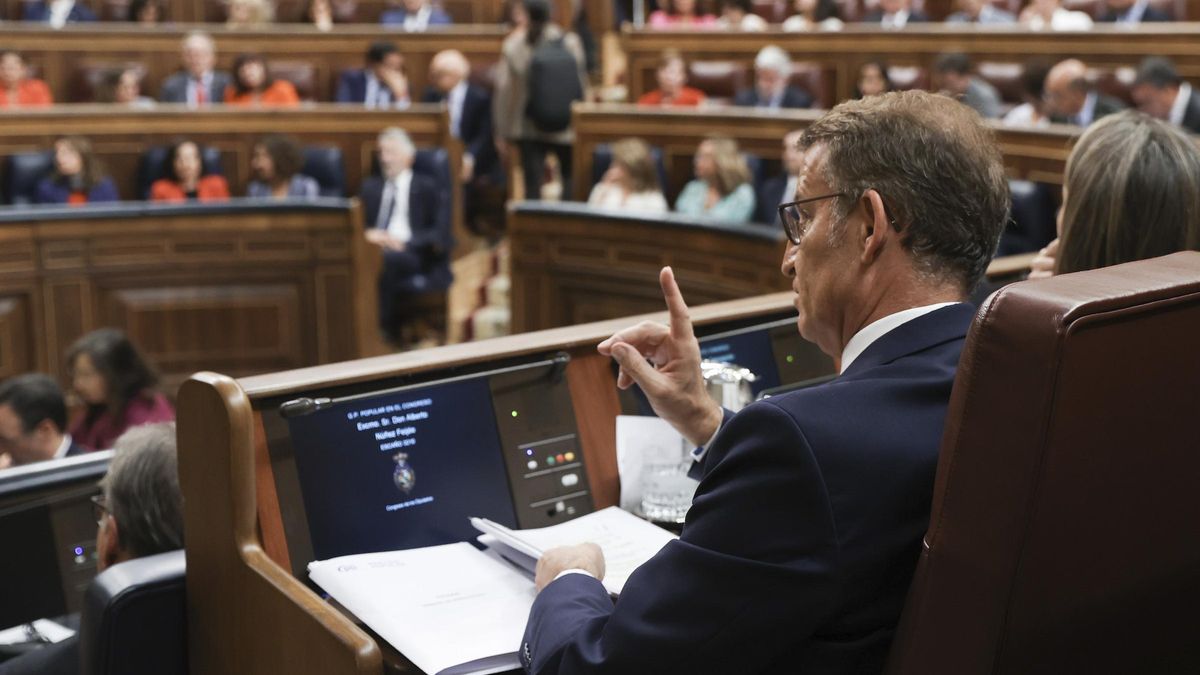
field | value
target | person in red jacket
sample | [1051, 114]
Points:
[184, 178]
[16, 87]
[672, 84]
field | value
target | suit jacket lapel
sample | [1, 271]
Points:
[935, 328]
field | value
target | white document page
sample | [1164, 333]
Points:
[449, 609]
[639, 438]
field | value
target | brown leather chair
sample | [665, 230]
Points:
[1117, 83]
[88, 79]
[302, 74]
[719, 80]
[905, 78]
[813, 78]
[1063, 537]
[1006, 77]
[773, 11]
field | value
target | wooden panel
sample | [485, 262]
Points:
[16, 339]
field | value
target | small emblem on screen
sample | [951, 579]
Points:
[404, 476]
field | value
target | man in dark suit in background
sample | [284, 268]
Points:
[1132, 11]
[806, 527]
[33, 421]
[197, 85]
[782, 188]
[1160, 92]
[895, 14]
[1072, 99]
[407, 217]
[772, 66]
[58, 14]
[382, 84]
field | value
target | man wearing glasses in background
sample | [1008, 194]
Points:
[806, 527]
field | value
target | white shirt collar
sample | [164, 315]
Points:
[63, 447]
[1087, 114]
[877, 329]
[897, 20]
[1135, 13]
[1179, 107]
[418, 21]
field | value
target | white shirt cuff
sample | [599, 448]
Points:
[698, 453]
[573, 570]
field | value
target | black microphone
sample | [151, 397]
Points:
[303, 406]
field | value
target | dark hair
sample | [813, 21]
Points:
[91, 172]
[243, 59]
[173, 152]
[110, 80]
[936, 166]
[136, 7]
[1158, 72]
[34, 397]
[378, 51]
[539, 16]
[1033, 80]
[882, 66]
[952, 62]
[743, 5]
[1133, 192]
[142, 490]
[126, 373]
[826, 9]
[286, 155]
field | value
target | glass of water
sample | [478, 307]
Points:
[666, 489]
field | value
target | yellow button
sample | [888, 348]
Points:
[570, 457]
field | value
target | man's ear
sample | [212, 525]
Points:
[109, 548]
[876, 230]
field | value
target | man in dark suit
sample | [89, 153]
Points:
[58, 15]
[470, 109]
[1132, 11]
[197, 85]
[805, 530]
[382, 84]
[782, 188]
[1072, 99]
[895, 14]
[33, 421]
[408, 218]
[415, 16]
[772, 66]
[1160, 92]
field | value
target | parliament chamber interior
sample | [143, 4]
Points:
[599, 336]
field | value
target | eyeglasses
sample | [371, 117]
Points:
[99, 508]
[796, 219]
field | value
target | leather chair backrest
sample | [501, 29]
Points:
[811, 77]
[134, 619]
[302, 75]
[1005, 76]
[435, 163]
[154, 161]
[718, 80]
[1063, 532]
[1117, 83]
[324, 164]
[88, 78]
[905, 78]
[22, 172]
[602, 159]
[773, 11]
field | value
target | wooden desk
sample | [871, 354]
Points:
[245, 288]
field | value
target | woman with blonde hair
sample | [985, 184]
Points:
[250, 13]
[722, 187]
[631, 181]
[1131, 191]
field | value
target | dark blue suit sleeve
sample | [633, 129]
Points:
[104, 191]
[751, 577]
[345, 94]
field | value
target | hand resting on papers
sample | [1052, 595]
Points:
[587, 557]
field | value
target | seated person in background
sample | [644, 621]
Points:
[1032, 112]
[895, 14]
[253, 85]
[57, 13]
[139, 512]
[772, 66]
[117, 387]
[197, 85]
[803, 535]
[631, 182]
[721, 189]
[250, 14]
[78, 177]
[1119, 167]
[736, 15]
[17, 89]
[672, 84]
[33, 421]
[810, 14]
[680, 14]
[123, 86]
[382, 84]
[981, 12]
[405, 219]
[1159, 92]
[184, 178]
[1043, 14]
[873, 80]
[782, 188]
[1072, 99]
[276, 162]
[953, 71]
[144, 12]
[415, 16]
[470, 108]
[1132, 11]
[319, 14]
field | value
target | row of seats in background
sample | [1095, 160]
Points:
[283, 11]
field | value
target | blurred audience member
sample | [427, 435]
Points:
[57, 13]
[1132, 12]
[382, 84]
[197, 84]
[17, 89]
[782, 188]
[116, 386]
[737, 15]
[1043, 14]
[319, 14]
[1072, 99]
[872, 80]
[672, 84]
[415, 16]
[722, 187]
[249, 14]
[78, 177]
[542, 71]
[33, 421]
[631, 182]
[772, 67]
[680, 14]
[145, 12]
[276, 162]
[253, 85]
[515, 15]
[1032, 111]
[470, 108]
[123, 86]
[895, 14]
[184, 178]
[953, 71]
[814, 14]
[1160, 92]
[1131, 191]
[981, 12]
